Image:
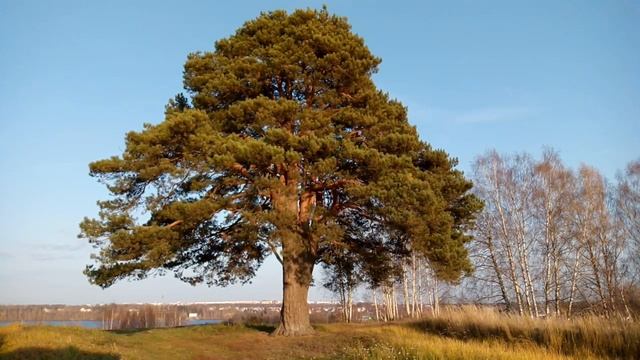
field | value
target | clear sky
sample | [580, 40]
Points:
[76, 76]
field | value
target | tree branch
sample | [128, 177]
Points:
[175, 223]
[242, 170]
[336, 185]
[275, 251]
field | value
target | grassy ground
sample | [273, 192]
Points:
[452, 336]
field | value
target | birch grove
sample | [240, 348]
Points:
[551, 241]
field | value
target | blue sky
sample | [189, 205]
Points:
[475, 75]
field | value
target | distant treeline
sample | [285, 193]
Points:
[133, 316]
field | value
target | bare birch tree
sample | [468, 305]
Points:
[627, 206]
[550, 239]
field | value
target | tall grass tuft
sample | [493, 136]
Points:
[593, 335]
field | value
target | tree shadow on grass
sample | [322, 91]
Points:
[68, 353]
[130, 331]
[261, 327]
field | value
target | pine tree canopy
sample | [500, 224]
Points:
[282, 145]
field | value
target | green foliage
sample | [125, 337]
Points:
[283, 143]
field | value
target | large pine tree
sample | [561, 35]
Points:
[284, 146]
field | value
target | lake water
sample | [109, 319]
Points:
[202, 322]
[90, 324]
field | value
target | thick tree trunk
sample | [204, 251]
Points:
[299, 250]
[297, 271]
[294, 314]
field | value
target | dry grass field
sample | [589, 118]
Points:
[459, 334]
